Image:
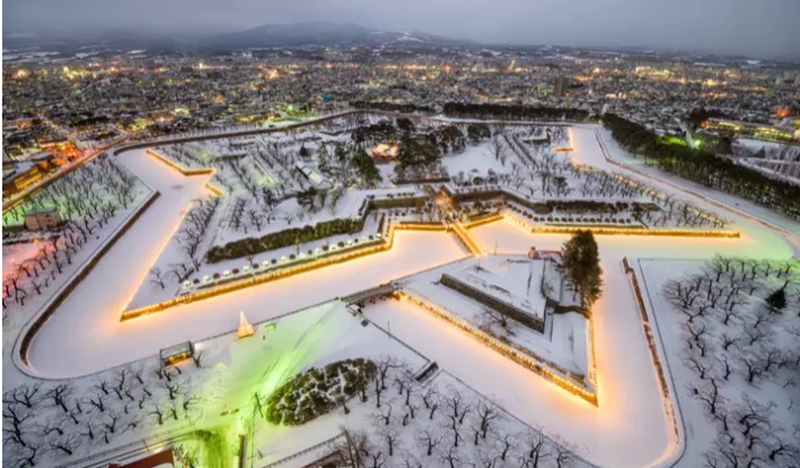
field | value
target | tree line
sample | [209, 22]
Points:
[705, 168]
[512, 112]
[284, 238]
[392, 107]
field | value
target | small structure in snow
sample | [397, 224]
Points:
[42, 219]
[387, 152]
[175, 354]
[313, 175]
[245, 329]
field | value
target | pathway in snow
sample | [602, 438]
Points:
[746, 215]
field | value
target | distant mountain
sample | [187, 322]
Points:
[319, 33]
[200, 39]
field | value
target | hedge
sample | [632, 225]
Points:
[276, 240]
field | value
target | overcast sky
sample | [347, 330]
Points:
[759, 28]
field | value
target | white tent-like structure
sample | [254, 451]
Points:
[245, 329]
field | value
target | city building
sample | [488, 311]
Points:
[754, 130]
[560, 86]
[18, 179]
[42, 219]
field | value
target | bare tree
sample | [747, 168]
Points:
[66, 445]
[96, 401]
[486, 413]
[158, 277]
[58, 395]
[698, 365]
[451, 457]
[27, 396]
[158, 412]
[174, 388]
[429, 439]
[15, 427]
[537, 450]
[389, 435]
[352, 448]
[709, 394]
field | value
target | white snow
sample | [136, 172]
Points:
[700, 431]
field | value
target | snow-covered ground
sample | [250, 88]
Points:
[475, 158]
[701, 429]
[509, 280]
[629, 412]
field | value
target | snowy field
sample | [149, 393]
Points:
[732, 347]
[475, 160]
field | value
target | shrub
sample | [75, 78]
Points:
[320, 389]
[287, 237]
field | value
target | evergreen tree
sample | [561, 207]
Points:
[777, 300]
[365, 166]
[477, 132]
[405, 124]
[582, 266]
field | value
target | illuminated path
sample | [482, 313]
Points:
[587, 151]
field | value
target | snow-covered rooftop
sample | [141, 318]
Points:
[513, 281]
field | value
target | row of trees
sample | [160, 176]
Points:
[740, 333]
[705, 168]
[42, 423]
[87, 198]
[512, 112]
[275, 240]
[392, 107]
